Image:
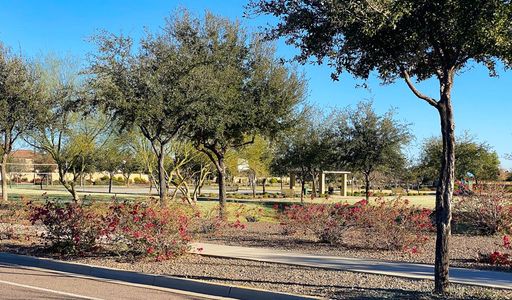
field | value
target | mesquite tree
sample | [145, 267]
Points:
[403, 40]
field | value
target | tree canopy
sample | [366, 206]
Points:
[368, 142]
[474, 159]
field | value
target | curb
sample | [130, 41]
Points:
[162, 281]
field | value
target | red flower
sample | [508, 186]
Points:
[506, 242]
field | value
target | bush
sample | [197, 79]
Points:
[487, 209]
[142, 229]
[384, 225]
[69, 228]
[137, 229]
[501, 258]
[139, 180]
[273, 180]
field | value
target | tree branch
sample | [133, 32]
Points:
[416, 92]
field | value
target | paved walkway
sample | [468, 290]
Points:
[408, 270]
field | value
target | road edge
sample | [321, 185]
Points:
[162, 281]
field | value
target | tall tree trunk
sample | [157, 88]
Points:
[264, 182]
[444, 193]
[221, 173]
[110, 183]
[367, 186]
[162, 190]
[314, 185]
[4, 177]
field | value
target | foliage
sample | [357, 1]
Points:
[146, 86]
[367, 142]
[501, 258]
[242, 91]
[486, 208]
[70, 229]
[143, 229]
[304, 150]
[382, 225]
[474, 159]
[20, 103]
[64, 131]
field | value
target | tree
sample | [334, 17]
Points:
[304, 150]
[367, 142]
[115, 156]
[474, 159]
[256, 159]
[20, 104]
[242, 91]
[63, 130]
[187, 166]
[402, 40]
[146, 87]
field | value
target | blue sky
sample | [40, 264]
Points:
[482, 104]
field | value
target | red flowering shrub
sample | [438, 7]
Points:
[384, 225]
[501, 258]
[487, 209]
[395, 224]
[139, 229]
[69, 228]
[142, 229]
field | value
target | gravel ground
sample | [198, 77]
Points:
[301, 280]
[464, 249]
[295, 279]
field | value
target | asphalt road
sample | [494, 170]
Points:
[29, 283]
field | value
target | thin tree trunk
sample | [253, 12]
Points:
[313, 190]
[367, 186]
[444, 195]
[221, 173]
[4, 177]
[303, 186]
[162, 190]
[264, 181]
[110, 183]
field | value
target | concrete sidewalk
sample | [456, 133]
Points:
[483, 278]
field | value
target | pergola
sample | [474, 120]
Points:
[322, 186]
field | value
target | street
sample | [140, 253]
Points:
[29, 283]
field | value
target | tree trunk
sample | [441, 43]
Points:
[313, 182]
[264, 182]
[444, 193]
[110, 183]
[4, 177]
[367, 186]
[162, 190]
[221, 173]
[302, 187]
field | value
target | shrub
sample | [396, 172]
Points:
[385, 225]
[501, 258]
[396, 225]
[69, 228]
[139, 180]
[142, 229]
[487, 209]
[138, 229]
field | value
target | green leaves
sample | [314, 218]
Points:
[424, 37]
